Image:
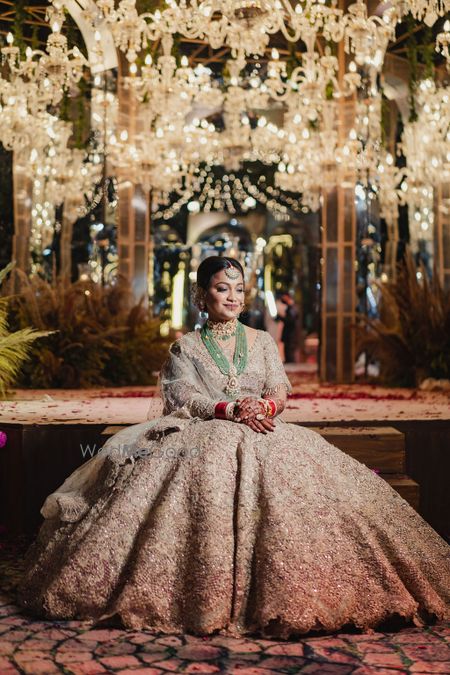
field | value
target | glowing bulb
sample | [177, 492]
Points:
[10, 38]
[184, 61]
[275, 54]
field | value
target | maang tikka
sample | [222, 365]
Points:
[232, 272]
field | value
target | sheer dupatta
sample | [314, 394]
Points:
[186, 386]
[188, 395]
[189, 392]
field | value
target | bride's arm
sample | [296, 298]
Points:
[277, 385]
[278, 395]
[274, 392]
[181, 387]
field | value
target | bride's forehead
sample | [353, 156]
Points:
[222, 276]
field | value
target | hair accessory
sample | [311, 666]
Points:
[232, 272]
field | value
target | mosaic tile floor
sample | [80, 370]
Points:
[71, 647]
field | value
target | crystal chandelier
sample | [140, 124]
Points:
[163, 159]
[163, 85]
[238, 102]
[389, 180]
[443, 42]
[427, 10]
[41, 79]
[30, 85]
[309, 84]
[313, 159]
[245, 26]
[366, 37]
[426, 146]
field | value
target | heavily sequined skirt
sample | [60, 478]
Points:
[226, 530]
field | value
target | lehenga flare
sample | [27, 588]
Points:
[192, 524]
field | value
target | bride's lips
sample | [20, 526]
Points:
[231, 306]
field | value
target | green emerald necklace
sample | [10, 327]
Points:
[233, 370]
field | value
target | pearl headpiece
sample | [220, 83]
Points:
[232, 272]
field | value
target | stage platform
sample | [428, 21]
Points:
[404, 435]
[308, 404]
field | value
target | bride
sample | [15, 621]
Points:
[220, 516]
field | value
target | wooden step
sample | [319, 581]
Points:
[381, 448]
[406, 487]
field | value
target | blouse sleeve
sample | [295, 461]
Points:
[181, 387]
[275, 373]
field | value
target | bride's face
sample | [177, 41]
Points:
[224, 297]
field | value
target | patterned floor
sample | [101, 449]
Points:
[73, 648]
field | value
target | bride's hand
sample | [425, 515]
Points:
[248, 409]
[260, 426]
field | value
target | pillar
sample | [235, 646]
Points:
[338, 293]
[133, 231]
[22, 198]
[442, 233]
[338, 287]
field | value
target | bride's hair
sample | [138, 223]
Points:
[213, 264]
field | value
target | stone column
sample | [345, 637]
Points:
[68, 220]
[338, 293]
[338, 290]
[22, 198]
[442, 233]
[133, 231]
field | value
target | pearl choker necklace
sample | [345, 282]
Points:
[222, 330]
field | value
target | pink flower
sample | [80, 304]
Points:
[3, 439]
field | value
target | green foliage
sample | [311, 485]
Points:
[15, 347]
[412, 337]
[100, 341]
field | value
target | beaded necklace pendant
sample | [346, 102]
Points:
[234, 369]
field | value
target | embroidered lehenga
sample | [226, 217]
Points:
[192, 524]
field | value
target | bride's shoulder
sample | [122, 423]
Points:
[256, 332]
[252, 333]
[185, 341]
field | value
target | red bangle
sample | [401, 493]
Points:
[272, 408]
[220, 410]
